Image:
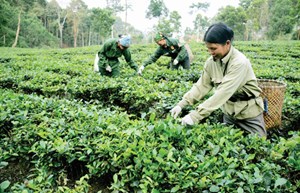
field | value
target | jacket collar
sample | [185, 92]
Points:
[228, 56]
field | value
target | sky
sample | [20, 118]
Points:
[137, 16]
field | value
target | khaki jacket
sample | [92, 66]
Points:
[231, 76]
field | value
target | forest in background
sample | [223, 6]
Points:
[42, 23]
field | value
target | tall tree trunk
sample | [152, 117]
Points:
[89, 41]
[82, 39]
[246, 33]
[61, 37]
[18, 30]
[61, 27]
[126, 8]
[3, 39]
[75, 32]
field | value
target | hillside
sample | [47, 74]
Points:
[64, 128]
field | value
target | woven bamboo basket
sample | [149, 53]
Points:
[273, 96]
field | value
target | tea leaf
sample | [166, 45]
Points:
[280, 182]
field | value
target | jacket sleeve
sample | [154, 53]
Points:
[154, 57]
[198, 91]
[127, 56]
[230, 84]
[180, 49]
[182, 54]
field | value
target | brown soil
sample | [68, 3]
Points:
[15, 171]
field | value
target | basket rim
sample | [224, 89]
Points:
[281, 84]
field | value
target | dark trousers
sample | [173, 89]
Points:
[185, 64]
[113, 63]
[255, 125]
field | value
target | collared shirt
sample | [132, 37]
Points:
[110, 52]
[231, 76]
[173, 49]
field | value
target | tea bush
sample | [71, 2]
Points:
[67, 129]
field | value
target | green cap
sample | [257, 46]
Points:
[159, 36]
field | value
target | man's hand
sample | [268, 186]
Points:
[175, 111]
[175, 62]
[141, 70]
[108, 68]
[187, 120]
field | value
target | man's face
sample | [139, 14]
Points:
[218, 51]
[162, 42]
[122, 47]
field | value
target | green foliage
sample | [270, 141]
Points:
[102, 20]
[33, 35]
[283, 16]
[74, 127]
[47, 24]
[234, 18]
[201, 23]
[4, 185]
[156, 9]
[171, 25]
[200, 6]
[7, 27]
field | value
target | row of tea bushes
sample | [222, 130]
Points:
[68, 129]
[68, 74]
[68, 143]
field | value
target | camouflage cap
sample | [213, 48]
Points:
[159, 36]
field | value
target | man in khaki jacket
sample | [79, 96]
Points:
[230, 73]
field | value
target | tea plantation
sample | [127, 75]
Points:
[66, 129]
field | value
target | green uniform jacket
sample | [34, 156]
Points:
[173, 50]
[109, 54]
[236, 80]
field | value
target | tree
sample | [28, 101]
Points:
[60, 15]
[200, 22]
[136, 35]
[39, 10]
[76, 10]
[175, 21]
[127, 7]
[196, 7]
[284, 15]
[7, 29]
[34, 34]
[245, 4]
[235, 18]
[157, 9]
[22, 6]
[188, 34]
[23, 24]
[169, 25]
[200, 25]
[116, 7]
[102, 20]
[257, 18]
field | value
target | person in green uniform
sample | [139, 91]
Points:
[236, 90]
[169, 47]
[107, 62]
